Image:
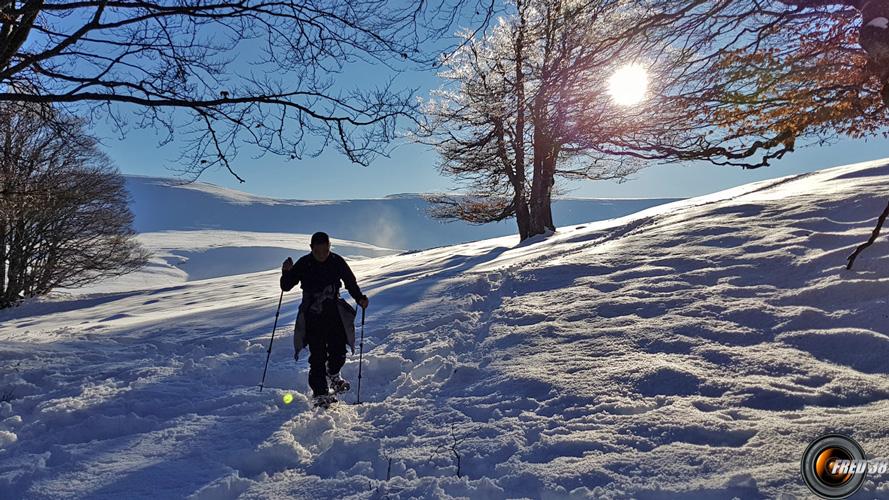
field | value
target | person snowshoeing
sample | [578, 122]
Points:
[324, 321]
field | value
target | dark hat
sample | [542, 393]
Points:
[320, 237]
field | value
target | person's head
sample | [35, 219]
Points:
[320, 245]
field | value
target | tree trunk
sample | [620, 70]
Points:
[522, 213]
[12, 273]
[522, 216]
[873, 37]
[18, 261]
[542, 183]
[2, 261]
[549, 180]
[536, 196]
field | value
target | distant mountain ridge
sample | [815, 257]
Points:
[396, 221]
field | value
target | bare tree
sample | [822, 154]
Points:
[732, 83]
[797, 68]
[64, 219]
[529, 104]
[226, 74]
[473, 134]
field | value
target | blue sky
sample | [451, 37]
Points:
[411, 168]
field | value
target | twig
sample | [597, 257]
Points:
[870, 240]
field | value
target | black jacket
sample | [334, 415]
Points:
[313, 275]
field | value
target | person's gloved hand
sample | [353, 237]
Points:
[288, 264]
[363, 301]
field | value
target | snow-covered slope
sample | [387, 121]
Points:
[200, 230]
[689, 350]
[181, 256]
[396, 221]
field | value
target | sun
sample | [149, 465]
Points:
[628, 84]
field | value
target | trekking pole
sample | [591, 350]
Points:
[360, 353]
[270, 341]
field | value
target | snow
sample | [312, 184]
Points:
[692, 349]
[181, 256]
[198, 230]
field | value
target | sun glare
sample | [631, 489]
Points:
[628, 84]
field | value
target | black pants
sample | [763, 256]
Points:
[326, 338]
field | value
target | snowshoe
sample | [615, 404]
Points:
[324, 400]
[338, 384]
